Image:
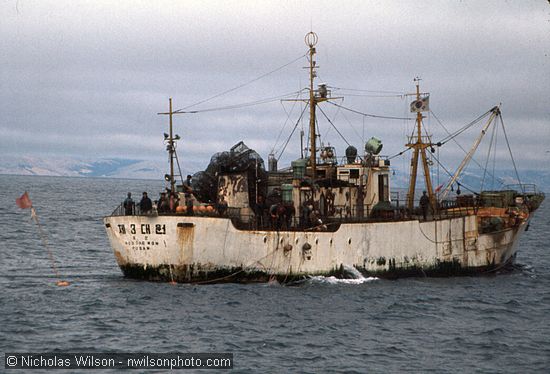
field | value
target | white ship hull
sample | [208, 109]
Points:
[340, 213]
[211, 249]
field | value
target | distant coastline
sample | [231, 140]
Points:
[133, 171]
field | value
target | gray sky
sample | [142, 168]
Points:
[86, 78]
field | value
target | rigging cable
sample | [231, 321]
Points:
[359, 95]
[460, 146]
[243, 84]
[396, 93]
[242, 105]
[335, 128]
[451, 175]
[399, 154]
[351, 125]
[464, 128]
[294, 129]
[494, 159]
[286, 121]
[511, 155]
[493, 139]
[370, 115]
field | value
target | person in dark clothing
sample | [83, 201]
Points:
[145, 205]
[290, 212]
[189, 205]
[222, 206]
[173, 201]
[164, 204]
[187, 186]
[276, 212]
[424, 204]
[305, 211]
[129, 205]
[259, 211]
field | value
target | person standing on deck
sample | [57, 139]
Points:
[145, 205]
[188, 192]
[187, 186]
[259, 210]
[290, 212]
[129, 205]
[222, 206]
[164, 204]
[424, 204]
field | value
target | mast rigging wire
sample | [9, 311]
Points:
[294, 129]
[491, 148]
[396, 93]
[241, 105]
[351, 125]
[460, 146]
[242, 85]
[286, 121]
[511, 155]
[451, 175]
[369, 115]
[464, 128]
[400, 153]
[335, 128]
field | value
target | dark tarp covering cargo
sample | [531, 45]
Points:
[239, 159]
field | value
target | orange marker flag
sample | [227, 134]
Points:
[24, 202]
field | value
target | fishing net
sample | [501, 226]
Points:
[239, 159]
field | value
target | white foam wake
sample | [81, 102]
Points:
[356, 277]
[334, 280]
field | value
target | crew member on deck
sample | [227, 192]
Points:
[129, 205]
[145, 205]
[187, 188]
[259, 210]
[424, 204]
[290, 212]
[222, 206]
[164, 204]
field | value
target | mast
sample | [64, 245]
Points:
[315, 97]
[170, 139]
[419, 149]
[171, 150]
[311, 40]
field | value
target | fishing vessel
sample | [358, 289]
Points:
[240, 222]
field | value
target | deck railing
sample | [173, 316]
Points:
[330, 220]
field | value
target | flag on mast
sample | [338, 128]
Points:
[24, 202]
[421, 105]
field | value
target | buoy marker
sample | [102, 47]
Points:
[24, 202]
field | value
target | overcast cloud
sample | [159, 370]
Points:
[86, 78]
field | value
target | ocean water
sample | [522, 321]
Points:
[490, 324]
